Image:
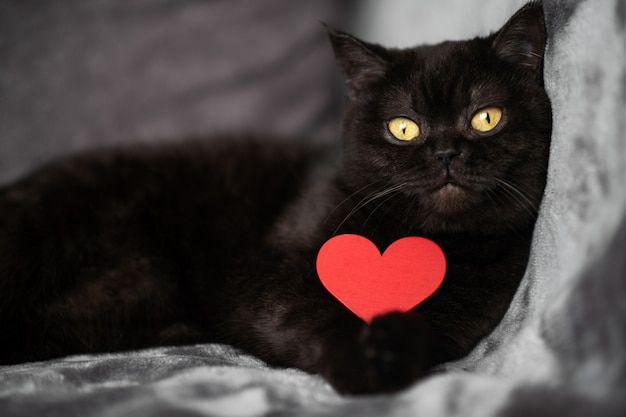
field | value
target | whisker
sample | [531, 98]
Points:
[493, 196]
[399, 230]
[367, 200]
[349, 198]
[395, 193]
[516, 190]
[519, 196]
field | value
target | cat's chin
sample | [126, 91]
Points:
[451, 199]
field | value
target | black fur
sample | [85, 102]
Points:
[216, 242]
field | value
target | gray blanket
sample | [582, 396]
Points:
[560, 350]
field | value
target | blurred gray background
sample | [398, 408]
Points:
[82, 74]
[77, 75]
[405, 23]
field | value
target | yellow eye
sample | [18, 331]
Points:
[486, 119]
[403, 128]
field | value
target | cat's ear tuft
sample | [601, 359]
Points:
[522, 40]
[362, 63]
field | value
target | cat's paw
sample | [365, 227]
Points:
[392, 352]
[395, 349]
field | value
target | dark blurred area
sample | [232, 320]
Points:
[77, 75]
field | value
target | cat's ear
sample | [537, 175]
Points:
[362, 63]
[522, 40]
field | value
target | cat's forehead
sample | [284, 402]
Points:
[446, 56]
[444, 48]
[453, 73]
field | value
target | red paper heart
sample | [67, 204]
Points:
[369, 284]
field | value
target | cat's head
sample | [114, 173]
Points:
[460, 129]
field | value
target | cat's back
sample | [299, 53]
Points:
[134, 222]
[210, 175]
[222, 162]
[222, 188]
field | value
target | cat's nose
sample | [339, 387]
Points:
[446, 156]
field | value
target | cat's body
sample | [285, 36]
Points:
[216, 242]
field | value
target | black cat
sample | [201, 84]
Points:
[217, 241]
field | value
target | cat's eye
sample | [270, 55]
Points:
[403, 129]
[486, 119]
